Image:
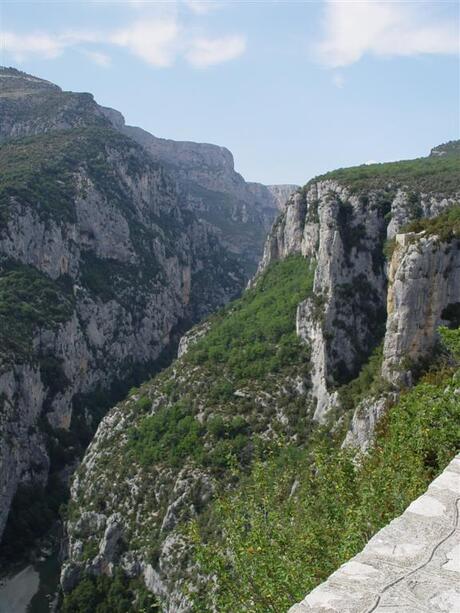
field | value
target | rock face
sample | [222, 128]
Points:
[340, 225]
[242, 213]
[410, 565]
[106, 255]
[423, 294]
[344, 229]
[424, 288]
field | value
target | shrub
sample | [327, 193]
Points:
[255, 335]
[302, 513]
[169, 436]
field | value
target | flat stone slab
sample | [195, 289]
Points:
[410, 566]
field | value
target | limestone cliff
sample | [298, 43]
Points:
[423, 293]
[342, 223]
[112, 242]
[266, 368]
[241, 213]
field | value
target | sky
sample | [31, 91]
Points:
[293, 89]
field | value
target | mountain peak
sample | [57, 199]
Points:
[15, 81]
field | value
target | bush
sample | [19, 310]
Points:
[302, 513]
[255, 335]
[170, 436]
[30, 299]
[104, 594]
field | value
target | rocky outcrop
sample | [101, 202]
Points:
[424, 287]
[101, 259]
[364, 421]
[191, 337]
[31, 106]
[281, 193]
[344, 230]
[241, 213]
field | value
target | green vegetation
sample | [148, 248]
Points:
[367, 384]
[173, 435]
[255, 335]
[110, 279]
[40, 171]
[253, 340]
[446, 225]
[452, 147]
[433, 174]
[428, 174]
[109, 595]
[30, 299]
[169, 436]
[451, 341]
[302, 513]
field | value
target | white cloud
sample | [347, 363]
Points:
[154, 41]
[352, 29]
[370, 162]
[205, 52]
[338, 80]
[101, 59]
[22, 46]
[159, 41]
[201, 7]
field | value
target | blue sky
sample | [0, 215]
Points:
[293, 89]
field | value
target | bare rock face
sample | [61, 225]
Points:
[344, 230]
[101, 258]
[364, 421]
[282, 193]
[424, 282]
[241, 212]
[191, 337]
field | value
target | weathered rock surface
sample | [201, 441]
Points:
[241, 212]
[424, 284]
[364, 421]
[191, 337]
[344, 230]
[410, 566]
[106, 229]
